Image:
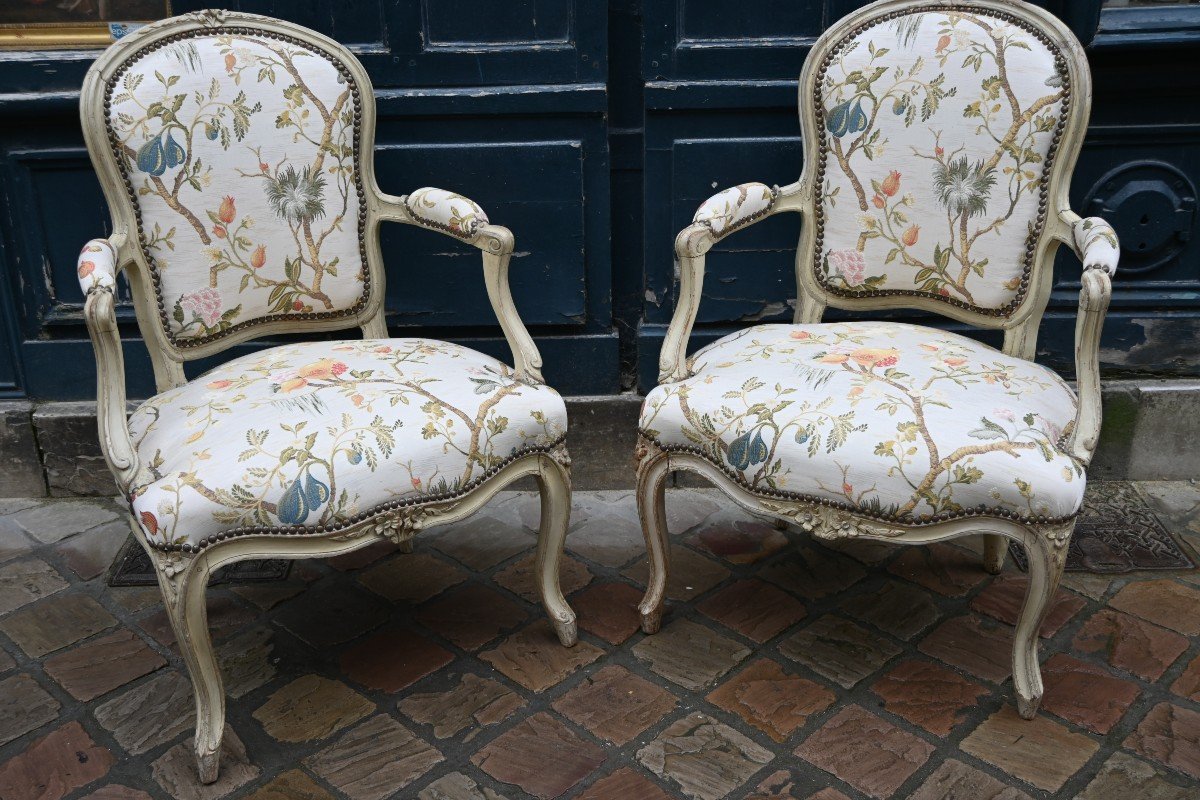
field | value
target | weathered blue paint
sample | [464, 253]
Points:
[594, 131]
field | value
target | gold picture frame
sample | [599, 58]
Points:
[74, 24]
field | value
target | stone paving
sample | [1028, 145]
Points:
[785, 669]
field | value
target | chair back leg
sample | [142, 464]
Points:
[554, 484]
[653, 466]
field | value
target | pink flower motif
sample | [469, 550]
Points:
[1005, 414]
[204, 303]
[850, 264]
[1052, 431]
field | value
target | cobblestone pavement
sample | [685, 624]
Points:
[785, 669]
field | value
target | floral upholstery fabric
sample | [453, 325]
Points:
[937, 129]
[726, 211]
[447, 211]
[97, 266]
[241, 153]
[311, 434]
[1098, 242]
[896, 420]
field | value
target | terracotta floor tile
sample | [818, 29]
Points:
[757, 610]
[89, 556]
[329, 615]
[362, 557]
[24, 706]
[615, 705]
[705, 758]
[1170, 735]
[55, 765]
[945, 569]
[771, 700]
[794, 784]
[1163, 602]
[412, 578]
[954, 780]
[1085, 694]
[534, 658]
[865, 751]
[689, 654]
[519, 577]
[813, 572]
[982, 647]
[624, 784]
[392, 659]
[1188, 683]
[928, 695]
[1123, 777]
[247, 660]
[470, 704]
[471, 615]
[373, 759]
[155, 711]
[482, 542]
[1038, 751]
[290, 785]
[611, 540]
[56, 622]
[1129, 643]
[23, 582]
[457, 786]
[225, 615]
[541, 755]
[1003, 597]
[311, 707]
[899, 608]
[117, 791]
[608, 610]
[690, 576]
[745, 541]
[838, 649]
[103, 664]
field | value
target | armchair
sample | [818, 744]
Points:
[235, 153]
[938, 150]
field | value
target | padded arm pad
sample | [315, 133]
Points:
[437, 208]
[97, 266]
[726, 211]
[1097, 244]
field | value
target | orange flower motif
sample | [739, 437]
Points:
[931, 347]
[834, 358]
[856, 392]
[149, 522]
[230, 62]
[228, 210]
[800, 335]
[357, 399]
[847, 488]
[416, 483]
[259, 257]
[891, 184]
[292, 384]
[910, 236]
[223, 383]
[954, 361]
[875, 356]
[879, 201]
[219, 231]
[943, 43]
[86, 268]
[324, 369]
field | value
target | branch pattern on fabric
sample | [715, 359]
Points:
[901, 421]
[1097, 243]
[241, 152]
[321, 431]
[726, 211]
[938, 129]
[446, 211]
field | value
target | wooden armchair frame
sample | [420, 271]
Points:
[1045, 540]
[183, 573]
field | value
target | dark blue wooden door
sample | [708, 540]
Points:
[593, 130]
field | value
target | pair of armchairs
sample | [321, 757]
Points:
[235, 153]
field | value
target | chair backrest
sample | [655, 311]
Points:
[940, 138]
[235, 152]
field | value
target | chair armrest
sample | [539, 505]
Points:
[462, 218]
[1097, 246]
[720, 215]
[97, 268]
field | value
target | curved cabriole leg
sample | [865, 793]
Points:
[653, 468]
[183, 585]
[554, 481]
[1046, 547]
[995, 548]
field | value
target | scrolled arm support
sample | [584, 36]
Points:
[462, 218]
[1097, 246]
[97, 268]
[720, 215]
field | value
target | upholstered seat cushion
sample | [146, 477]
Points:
[900, 421]
[311, 434]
